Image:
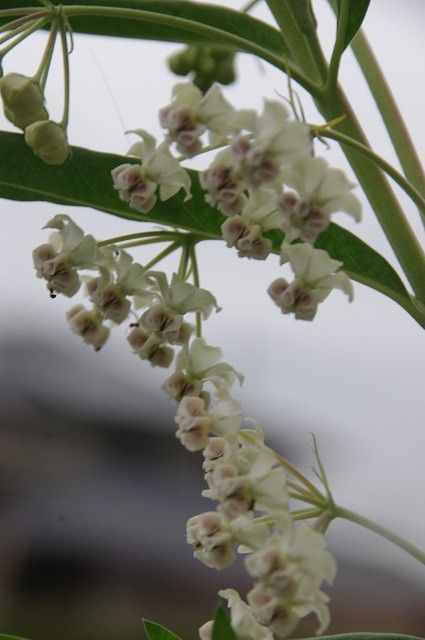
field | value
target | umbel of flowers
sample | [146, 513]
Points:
[265, 177]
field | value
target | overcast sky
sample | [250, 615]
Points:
[354, 376]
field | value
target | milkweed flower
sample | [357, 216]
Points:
[316, 274]
[158, 172]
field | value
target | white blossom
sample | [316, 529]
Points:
[197, 364]
[158, 170]
[316, 274]
[320, 191]
[191, 113]
[149, 346]
[244, 231]
[88, 325]
[243, 619]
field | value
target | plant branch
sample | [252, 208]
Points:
[378, 160]
[339, 46]
[340, 512]
[388, 108]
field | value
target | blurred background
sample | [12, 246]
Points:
[95, 490]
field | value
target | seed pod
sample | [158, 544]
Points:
[23, 100]
[48, 141]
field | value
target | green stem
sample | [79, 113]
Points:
[24, 34]
[43, 67]
[134, 236]
[195, 27]
[340, 512]
[17, 26]
[196, 282]
[320, 504]
[297, 474]
[141, 243]
[286, 14]
[184, 261]
[379, 193]
[163, 254]
[5, 13]
[388, 108]
[306, 514]
[66, 78]
[339, 46]
[378, 160]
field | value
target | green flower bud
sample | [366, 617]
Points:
[23, 100]
[207, 65]
[182, 62]
[48, 141]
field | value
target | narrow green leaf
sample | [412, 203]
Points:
[7, 637]
[229, 20]
[357, 13]
[86, 181]
[367, 636]
[222, 629]
[155, 631]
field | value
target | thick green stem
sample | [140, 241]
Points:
[378, 191]
[286, 16]
[195, 27]
[383, 164]
[340, 512]
[390, 112]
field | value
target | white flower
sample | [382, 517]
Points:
[197, 364]
[191, 113]
[137, 184]
[205, 632]
[291, 568]
[321, 192]
[244, 231]
[224, 187]
[243, 620]
[69, 249]
[150, 347]
[195, 422]
[88, 325]
[316, 274]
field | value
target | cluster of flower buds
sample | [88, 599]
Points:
[264, 179]
[23, 103]
[206, 65]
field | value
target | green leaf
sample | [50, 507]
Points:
[7, 637]
[222, 629]
[155, 631]
[367, 636]
[85, 181]
[357, 13]
[227, 20]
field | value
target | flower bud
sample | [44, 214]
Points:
[48, 141]
[23, 100]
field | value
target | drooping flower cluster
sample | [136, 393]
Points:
[264, 178]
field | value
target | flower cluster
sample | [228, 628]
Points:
[264, 178]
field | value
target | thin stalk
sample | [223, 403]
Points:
[379, 193]
[339, 46]
[24, 11]
[184, 261]
[24, 34]
[320, 504]
[195, 27]
[141, 243]
[9, 26]
[352, 516]
[163, 254]
[17, 26]
[66, 78]
[383, 164]
[297, 474]
[134, 236]
[194, 262]
[388, 108]
[306, 514]
[43, 67]
[297, 487]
